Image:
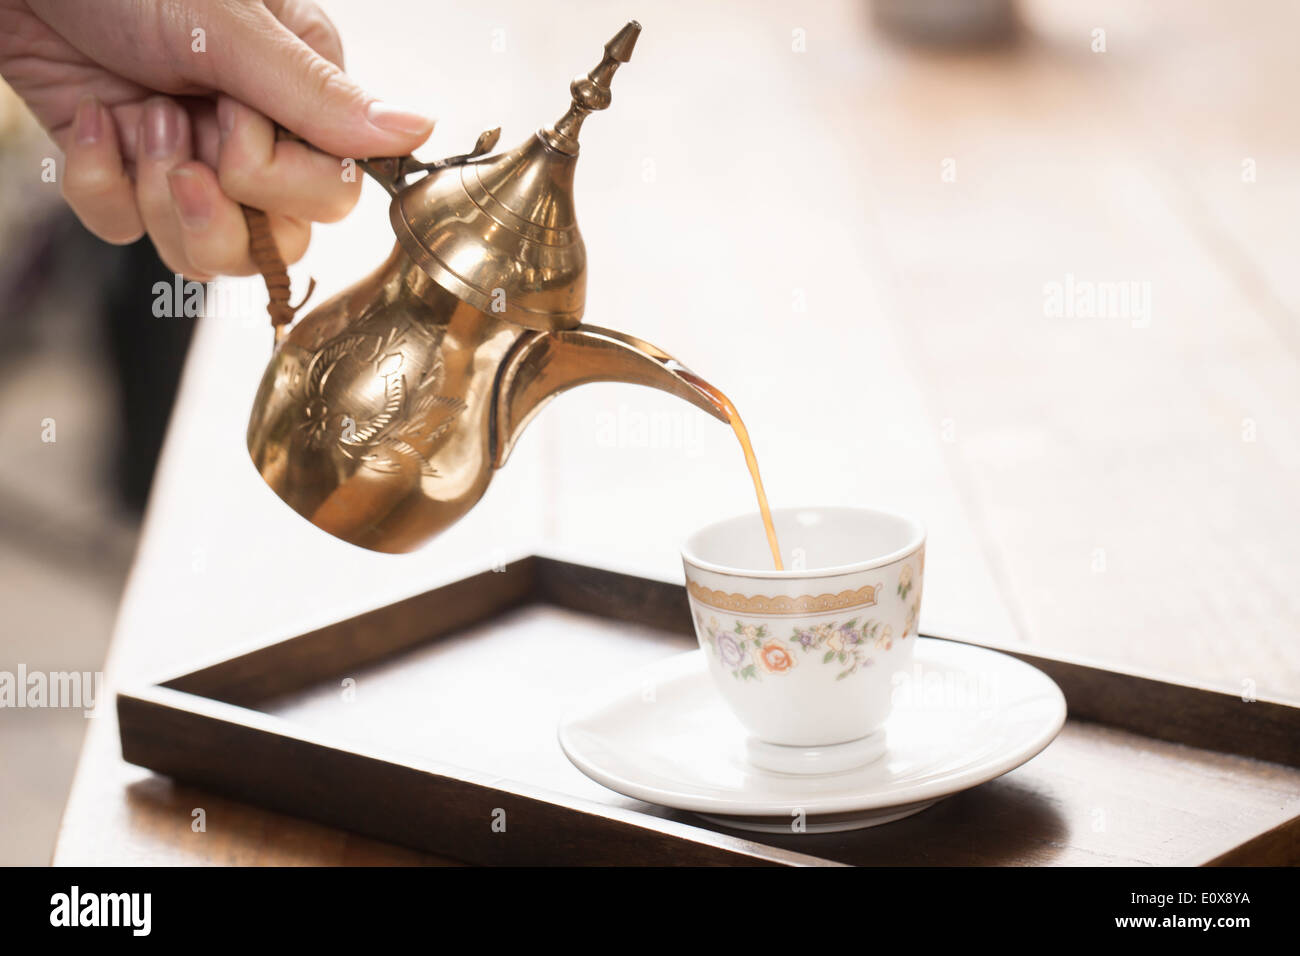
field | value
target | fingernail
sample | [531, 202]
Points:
[89, 125]
[162, 129]
[395, 120]
[192, 200]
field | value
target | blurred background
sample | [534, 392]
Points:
[1025, 270]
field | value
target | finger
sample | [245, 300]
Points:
[94, 183]
[213, 230]
[311, 25]
[260, 62]
[206, 134]
[164, 139]
[277, 175]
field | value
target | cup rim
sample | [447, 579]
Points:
[915, 543]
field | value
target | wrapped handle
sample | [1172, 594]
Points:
[266, 255]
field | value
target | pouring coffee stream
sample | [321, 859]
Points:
[383, 413]
[751, 460]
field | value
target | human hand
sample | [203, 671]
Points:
[163, 137]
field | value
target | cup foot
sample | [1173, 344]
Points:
[834, 758]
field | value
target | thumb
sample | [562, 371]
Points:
[263, 64]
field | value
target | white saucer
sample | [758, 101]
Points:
[962, 716]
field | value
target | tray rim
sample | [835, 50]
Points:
[535, 581]
[279, 727]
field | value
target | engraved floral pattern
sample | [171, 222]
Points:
[394, 423]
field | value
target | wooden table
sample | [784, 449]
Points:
[789, 224]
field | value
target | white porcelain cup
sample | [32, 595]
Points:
[805, 658]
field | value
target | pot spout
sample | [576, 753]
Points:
[544, 364]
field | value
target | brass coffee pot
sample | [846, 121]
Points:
[384, 412]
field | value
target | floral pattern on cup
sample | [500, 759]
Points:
[905, 582]
[909, 626]
[749, 650]
[848, 645]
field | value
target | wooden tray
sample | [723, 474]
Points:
[428, 721]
